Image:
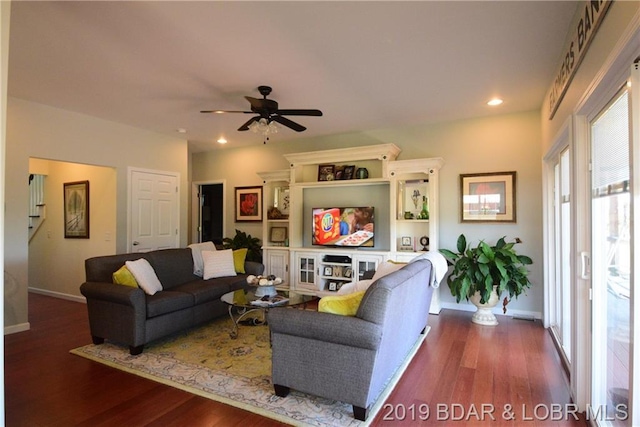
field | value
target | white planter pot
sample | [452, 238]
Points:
[484, 315]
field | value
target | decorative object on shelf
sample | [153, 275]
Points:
[415, 192]
[76, 210]
[488, 197]
[274, 213]
[339, 173]
[424, 241]
[326, 172]
[281, 200]
[362, 173]
[244, 240]
[484, 270]
[248, 204]
[328, 271]
[348, 272]
[424, 213]
[278, 234]
[266, 285]
[405, 243]
[408, 215]
[333, 286]
[348, 172]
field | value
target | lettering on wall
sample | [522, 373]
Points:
[591, 16]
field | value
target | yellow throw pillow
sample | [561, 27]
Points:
[124, 277]
[344, 305]
[239, 256]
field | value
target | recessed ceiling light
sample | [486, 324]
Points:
[181, 130]
[494, 102]
[222, 141]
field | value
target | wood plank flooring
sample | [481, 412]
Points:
[460, 367]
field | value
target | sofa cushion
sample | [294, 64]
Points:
[124, 277]
[145, 276]
[218, 264]
[239, 255]
[196, 253]
[344, 305]
[173, 266]
[209, 290]
[167, 302]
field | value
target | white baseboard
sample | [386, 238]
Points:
[496, 311]
[60, 295]
[13, 329]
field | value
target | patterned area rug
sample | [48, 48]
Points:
[205, 361]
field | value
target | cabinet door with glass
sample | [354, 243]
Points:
[277, 263]
[366, 263]
[305, 271]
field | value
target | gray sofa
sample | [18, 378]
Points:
[128, 316]
[351, 359]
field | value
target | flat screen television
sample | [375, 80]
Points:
[343, 227]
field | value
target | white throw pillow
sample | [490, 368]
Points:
[196, 253]
[145, 275]
[218, 264]
[386, 268]
[360, 285]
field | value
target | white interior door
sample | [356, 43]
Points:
[154, 210]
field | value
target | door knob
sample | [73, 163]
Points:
[136, 243]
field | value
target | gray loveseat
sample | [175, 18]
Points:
[351, 359]
[128, 316]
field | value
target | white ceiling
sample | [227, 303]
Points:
[366, 65]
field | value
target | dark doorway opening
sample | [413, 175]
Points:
[211, 213]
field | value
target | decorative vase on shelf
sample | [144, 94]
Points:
[362, 173]
[424, 213]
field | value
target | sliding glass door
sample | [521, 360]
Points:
[612, 269]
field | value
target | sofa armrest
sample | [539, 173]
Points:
[345, 330]
[120, 294]
[253, 267]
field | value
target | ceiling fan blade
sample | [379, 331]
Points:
[246, 125]
[288, 123]
[256, 104]
[316, 113]
[225, 111]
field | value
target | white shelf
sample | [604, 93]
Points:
[342, 183]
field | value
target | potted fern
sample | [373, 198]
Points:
[482, 273]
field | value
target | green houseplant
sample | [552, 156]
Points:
[244, 240]
[480, 270]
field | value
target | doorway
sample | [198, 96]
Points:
[211, 212]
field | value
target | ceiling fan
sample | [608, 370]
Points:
[267, 111]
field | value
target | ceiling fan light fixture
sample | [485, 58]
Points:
[222, 140]
[494, 102]
[263, 127]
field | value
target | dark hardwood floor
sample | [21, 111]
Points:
[464, 374]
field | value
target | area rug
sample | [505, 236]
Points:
[205, 361]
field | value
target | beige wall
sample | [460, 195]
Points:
[35, 130]
[489, 144]
[48, 246]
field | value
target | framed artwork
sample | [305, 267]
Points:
[328, 271]
[416, 192]
[278, 234]
[333, 286]
[488, 197]
[406, 243]
[348, 172]
[248, 204]
[326, 172]
[76, 210]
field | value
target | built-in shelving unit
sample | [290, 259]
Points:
[397, 188]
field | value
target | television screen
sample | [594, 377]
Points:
[343, 227]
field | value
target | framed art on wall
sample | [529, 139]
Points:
[76, 210]
[248, 204]
[488, 197]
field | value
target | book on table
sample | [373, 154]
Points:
[270, 301]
